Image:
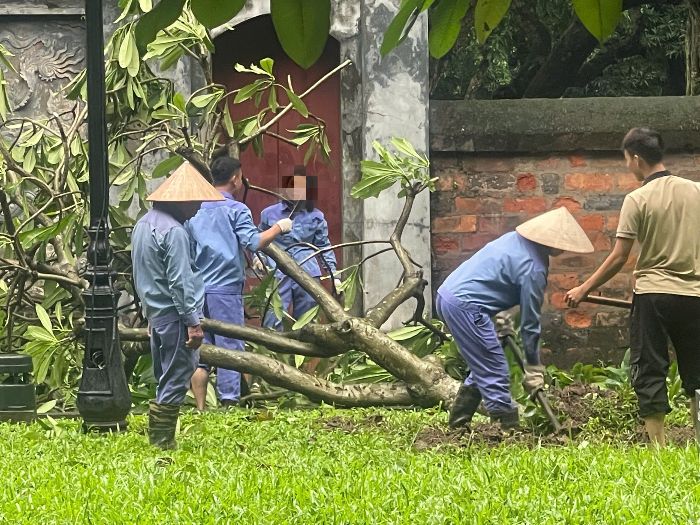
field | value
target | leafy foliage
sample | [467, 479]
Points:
[642, 57]
[405, 167]
[152, 127]
[302, 26]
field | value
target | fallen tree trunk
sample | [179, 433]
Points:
[429, 385]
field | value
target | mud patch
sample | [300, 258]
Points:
[588, 413]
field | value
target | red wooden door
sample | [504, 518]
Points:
[248, 43]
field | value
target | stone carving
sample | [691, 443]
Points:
[48, 54]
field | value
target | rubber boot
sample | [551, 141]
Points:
[162, 421]
[509, 419]
[464, 406]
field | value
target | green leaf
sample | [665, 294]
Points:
[487, 15]
[349, 287]
[297, 103]
[129, 54]
[44, 318]
[146, 5]
[299, 360]
[33, 139]
[47, 232]
[158, 18]
[228, 123]
[407, 332]
[246, 92]
[306, 318]
[46, 407]
[213, 13]
[445, 25]
[376, 178]
[29, 161]
[400, 26]
[267, 64]
[302, 27]
[202, 101]
[179, 102]
[406, 148]
[124, 177]
[600, 17]
[166, 166]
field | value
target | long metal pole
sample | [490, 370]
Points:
[103, 397]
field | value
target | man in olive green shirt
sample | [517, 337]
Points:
[663, 215]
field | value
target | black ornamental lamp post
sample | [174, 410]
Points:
[103, 397]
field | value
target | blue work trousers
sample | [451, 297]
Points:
[225, 305]
[173, 362]
[292, 294]
[475, 335]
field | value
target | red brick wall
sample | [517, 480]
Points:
[480, 197]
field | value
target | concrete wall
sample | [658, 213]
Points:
[502, 162]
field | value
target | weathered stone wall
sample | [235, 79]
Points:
[483, 194]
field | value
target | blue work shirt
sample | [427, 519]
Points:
[166, 279]
[309, 227]
[220, 231]
[507, 272]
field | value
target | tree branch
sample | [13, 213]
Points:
[380, 313]
[317, 389]
[265, 127]
[430, 382]
[270, 339]
[290, 267]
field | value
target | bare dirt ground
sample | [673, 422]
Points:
[587, 413]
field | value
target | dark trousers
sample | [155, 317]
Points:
[655, 319]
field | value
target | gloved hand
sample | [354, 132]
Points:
[337, 283]
[285, 225]
[534, 378]
[259, 266]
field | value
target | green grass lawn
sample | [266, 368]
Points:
[331, 466]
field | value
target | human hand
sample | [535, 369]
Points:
[285, 225]
[574, 296]
[195, 336]
[259, 265]
[534, 378]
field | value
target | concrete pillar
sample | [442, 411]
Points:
[395, 102]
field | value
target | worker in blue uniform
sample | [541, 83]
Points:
[309, 233]
[171, 293]
[221, 231]
[512, 270]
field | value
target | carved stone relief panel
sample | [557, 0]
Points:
[49, 52]
[41, 7]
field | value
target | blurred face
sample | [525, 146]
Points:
[295, 188]
[633, 163]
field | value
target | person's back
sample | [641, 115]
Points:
[220, 231]
[665, 216]
[159, 241]
[493, 277]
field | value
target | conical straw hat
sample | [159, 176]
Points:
[556, 229]
[185, 185]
